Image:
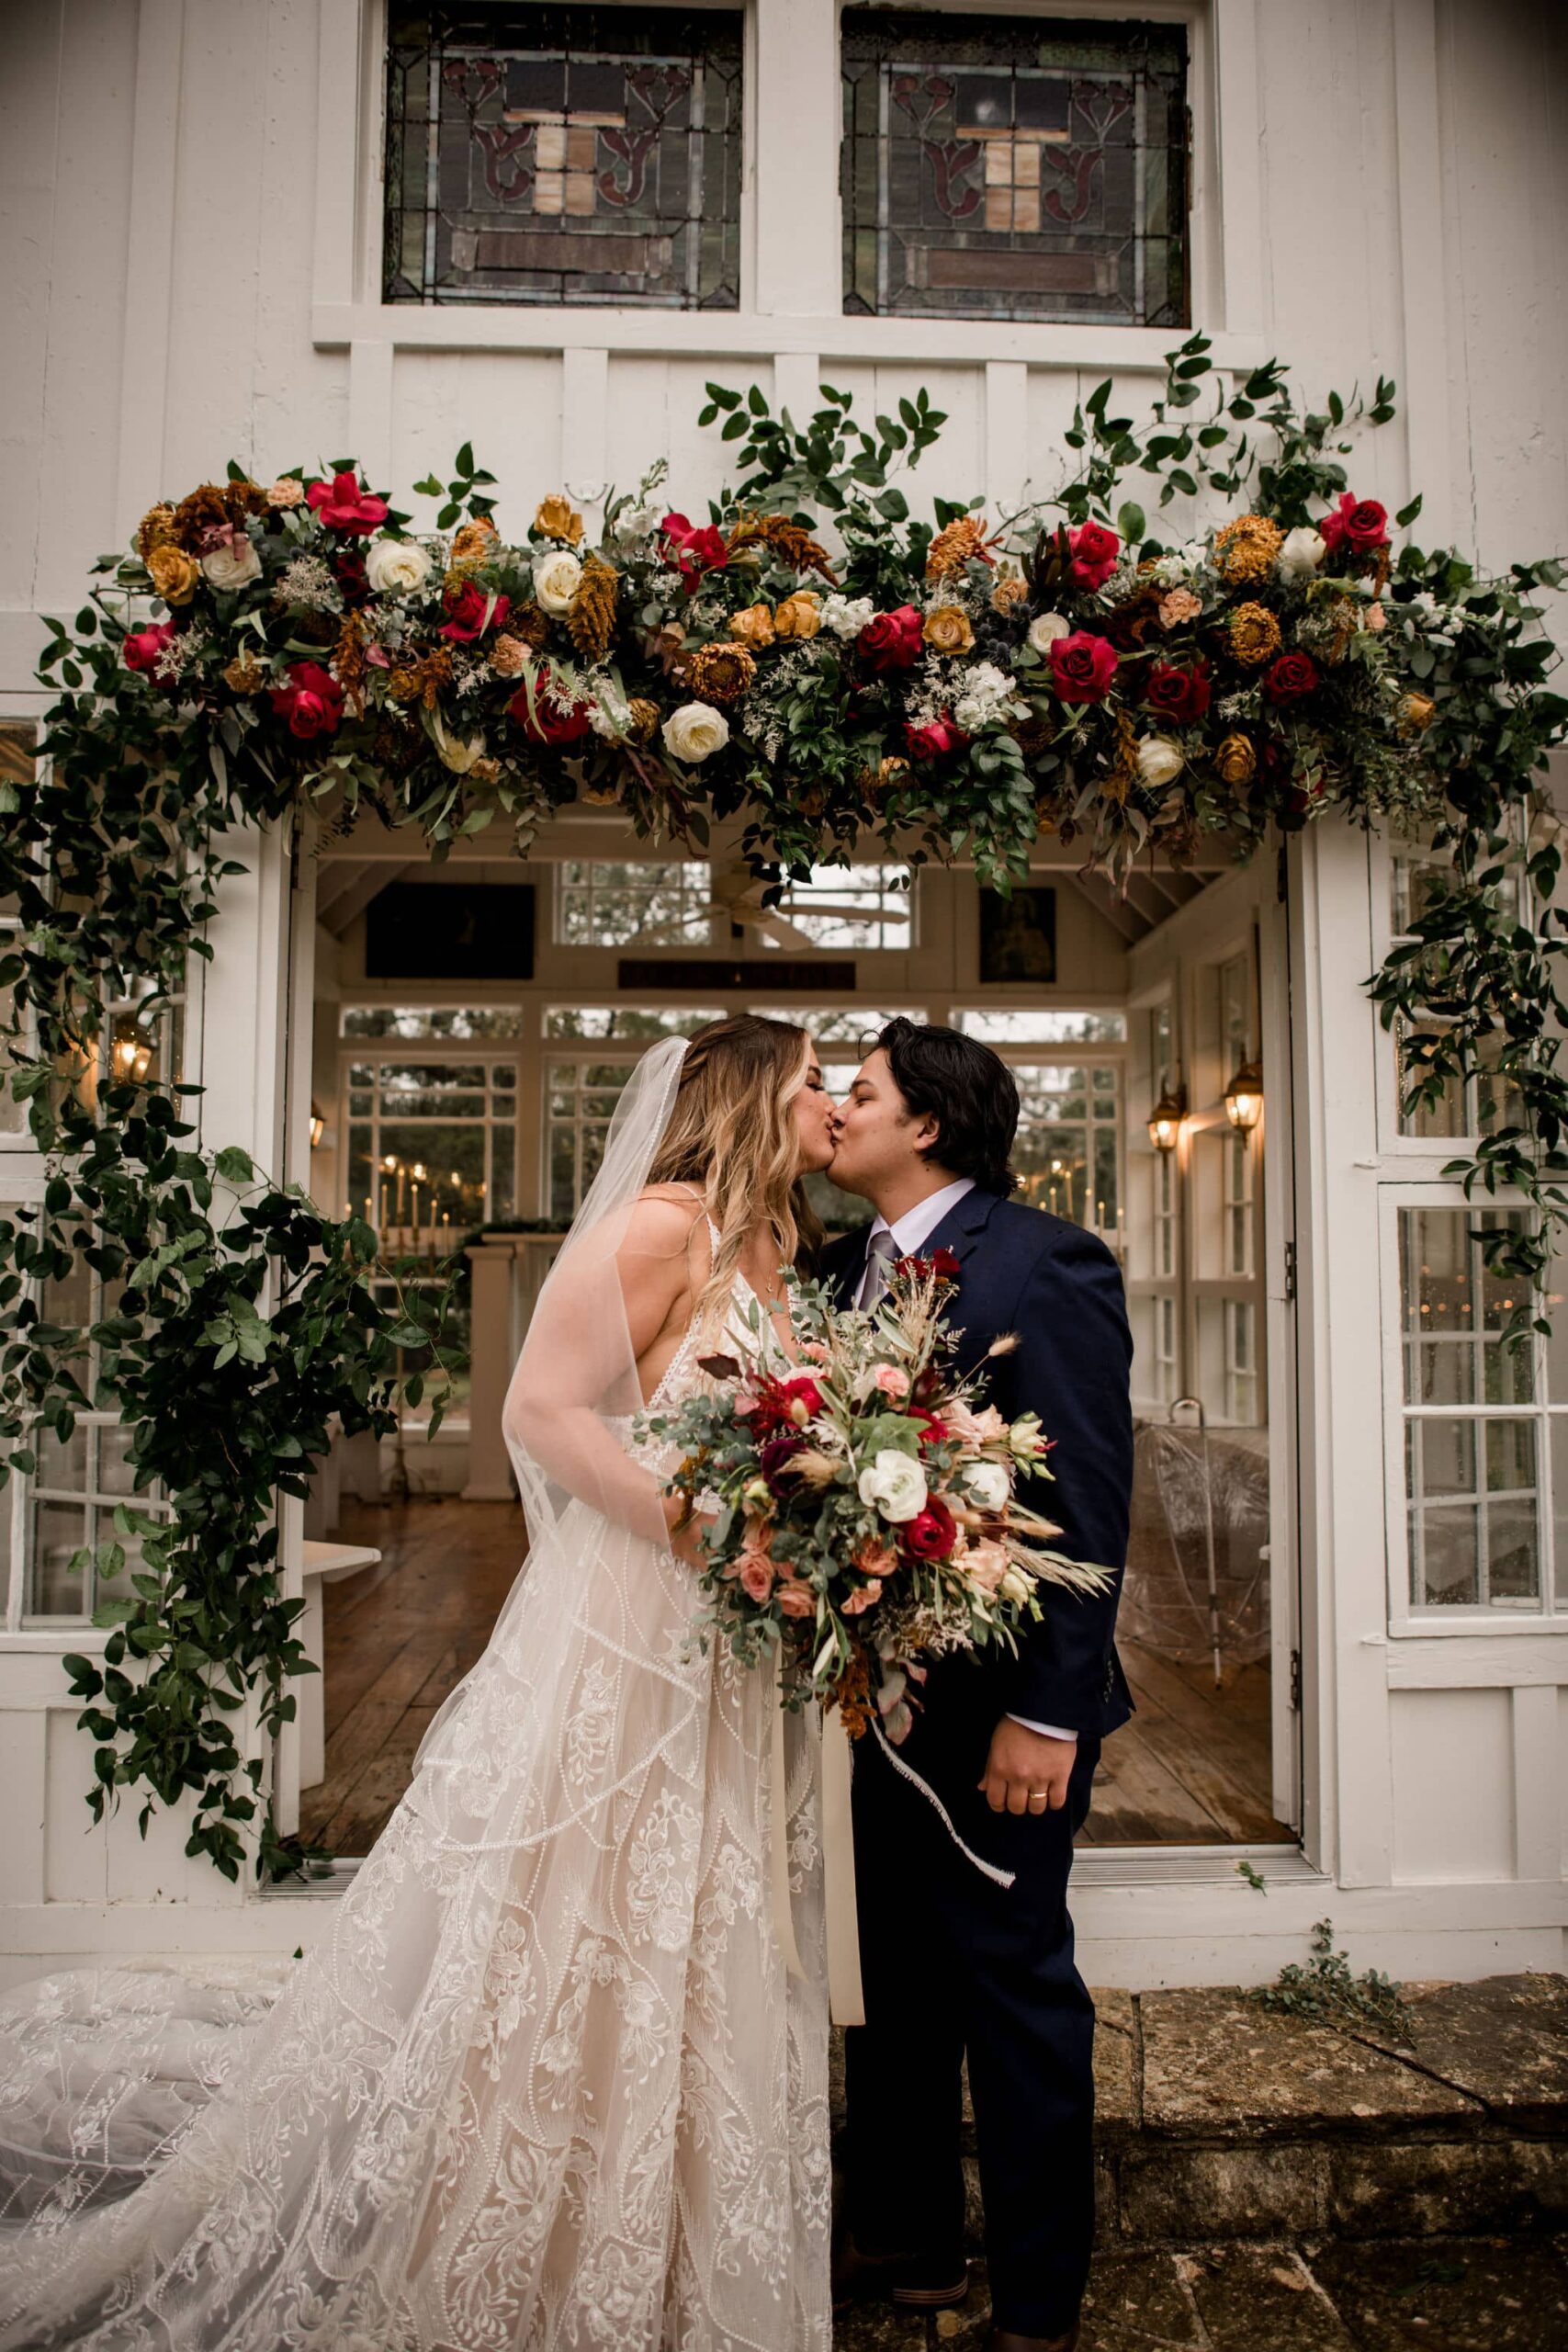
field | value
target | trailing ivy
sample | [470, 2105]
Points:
[953, 686]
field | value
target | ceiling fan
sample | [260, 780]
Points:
[737, 894]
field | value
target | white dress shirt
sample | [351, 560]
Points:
[911, 1231]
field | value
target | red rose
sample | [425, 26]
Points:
[1179, 695]
[470, 611]
[935, 739]
[1359, 523]
[311, 702]
[143, 646]
[547, 722]
[933, 1429]
[1082, 666]
[343, 505]
[891, 640]
[943, 1264]
[1095, 550]
[1289, 676]
[697, 547]
[931, 1533]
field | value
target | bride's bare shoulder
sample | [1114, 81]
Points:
[661, 1220]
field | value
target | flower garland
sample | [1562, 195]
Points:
[811, 657]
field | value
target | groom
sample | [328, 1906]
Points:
[954, 1964]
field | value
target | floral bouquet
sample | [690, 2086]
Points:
[867, 1517]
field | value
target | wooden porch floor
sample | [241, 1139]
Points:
[1191, 1768]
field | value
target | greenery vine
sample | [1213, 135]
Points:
[954, 686]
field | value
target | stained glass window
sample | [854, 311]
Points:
[563, 154]
[1014, 167]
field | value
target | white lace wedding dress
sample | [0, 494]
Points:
[546, 2081]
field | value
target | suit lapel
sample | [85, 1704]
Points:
[962, 1225]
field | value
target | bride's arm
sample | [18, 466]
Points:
[603, 1308]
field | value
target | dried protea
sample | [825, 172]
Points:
[397, 746]
[721, 672]
[1248, 548]
[591, 622]
[791, 542]
[1254, 634]
[955, 545]
[529, 625]
[216, 505]
[156, 529]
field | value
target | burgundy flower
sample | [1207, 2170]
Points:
[943, 1264]
[311, 702]
[1082, 666]
[931, 1533]
[697, 547]
[891, 640]
[1179, 695]
[142, 646]
[775, 1460]
[935, 739]
[1359, 523]
[547, 722]
[1095, 550]
[467, 603]
[1289, 676]
[343, 504]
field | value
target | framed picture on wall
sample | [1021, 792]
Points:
[450, 930]
[1018, 936]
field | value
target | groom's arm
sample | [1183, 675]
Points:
[1072, 1366]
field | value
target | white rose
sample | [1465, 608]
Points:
[695, 731]
[846, 616]
[1043, 633]
[988, 1483]
[394, 566]
[894, 1485]
[1015, 1585]
[554, 582]
[1158, 760]
[459, 756]
[1301, 551]
[232, 567]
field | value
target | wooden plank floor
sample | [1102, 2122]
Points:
[1191, 1768]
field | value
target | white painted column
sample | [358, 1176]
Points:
[492, 1274]
[798, 108]
[150, 249]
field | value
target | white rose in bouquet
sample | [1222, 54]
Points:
[394, 566]
[556, 582]
[893, 1485]
[1301, 552]
[1043, 632]
[988, 1483]
[695, 731]
[1158, 760]
[232, 567]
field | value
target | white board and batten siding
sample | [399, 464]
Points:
[192, 199]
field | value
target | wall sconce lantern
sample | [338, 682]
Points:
[1165, 1119]
[318, 1128]
[132, 1056]
[1244, 1098]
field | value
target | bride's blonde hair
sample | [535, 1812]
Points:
[732, 1135]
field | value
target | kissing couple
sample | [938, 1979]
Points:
[547, 2078]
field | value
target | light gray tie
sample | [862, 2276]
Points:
[880, 1254]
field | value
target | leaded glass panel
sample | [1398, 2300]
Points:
[1014, 167]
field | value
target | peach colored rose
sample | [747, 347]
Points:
[1374, 617]
[753, 626]
[1181, 606]
[507, 656]
[891, 1380]
[797, 1600]
[816, 1352]
[947, 629]
[986, 1565]
[1008, 591]
[874, 1558]
[864, 1598]
[756, 1576]
[799, 615]
[287, 491]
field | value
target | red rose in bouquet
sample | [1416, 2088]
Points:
[546, 721]
[1179, 696]
[311, 702]
[1094, 552]
[1289, 676]
[932, 1533]
[343, 504]
[469, 611]
[1359, 523]
[891, 640]
[697, 547]
[1082, 666]
[935, 739]
[143, 648]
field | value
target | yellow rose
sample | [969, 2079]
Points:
[753, 626]
[1234, 760]
[1417, 713]
[173, 574]
[556, 518]
[799, 615]
[947, 629]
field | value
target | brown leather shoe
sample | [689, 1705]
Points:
[1002, 2339]
[918, 2282]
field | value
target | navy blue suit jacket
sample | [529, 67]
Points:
[1059, 1289]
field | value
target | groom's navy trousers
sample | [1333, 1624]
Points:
[953, 1964]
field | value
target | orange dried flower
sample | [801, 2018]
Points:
[1246, 548]
[721, 672]
[474, 544]
[958, 543]
[156, 529]
[1234, 760]
[245, 675]
[1254, 634]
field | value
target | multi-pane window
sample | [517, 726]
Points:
[847, 1035]
[564, 154]
[431, 1146]
[862, 907]
[642, 1021]
[1014, 167]
[458, 1022]
[1067, 1153]
[606, 903]
[1459, 1107]
[1237, 1209]
[581, 1096]
[993, 1026]
[1241, 1362]
[1485, 1424]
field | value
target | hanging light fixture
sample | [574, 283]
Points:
[1244, 1098]
[1165, 1119]
[318, 1128]
[132, 1056]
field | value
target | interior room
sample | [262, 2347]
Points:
[473, 1024]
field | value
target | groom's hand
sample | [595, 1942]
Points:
[1026, 1770]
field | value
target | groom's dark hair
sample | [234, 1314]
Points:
[945, 1076]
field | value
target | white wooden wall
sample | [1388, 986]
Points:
[189, 265]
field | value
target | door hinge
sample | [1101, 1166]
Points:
[1290, 1274]
[1296, 1682]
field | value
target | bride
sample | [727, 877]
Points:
[548, 2079]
